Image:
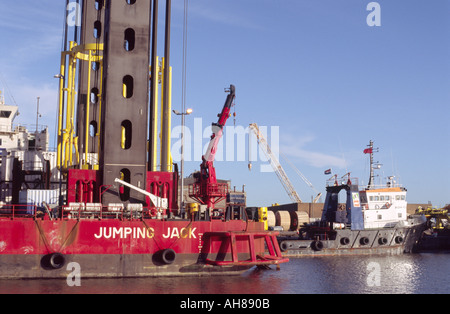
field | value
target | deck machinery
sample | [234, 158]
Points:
[118, 214]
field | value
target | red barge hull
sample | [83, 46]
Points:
[119, 212]
[33, 248]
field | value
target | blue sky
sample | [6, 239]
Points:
[315, 69]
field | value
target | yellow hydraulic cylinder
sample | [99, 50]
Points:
[61, 109]
[88, 107]
[169, 144]
[168, 161]
[154, 133]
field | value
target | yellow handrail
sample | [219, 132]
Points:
[67, 141]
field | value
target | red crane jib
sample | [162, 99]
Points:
[206, 190]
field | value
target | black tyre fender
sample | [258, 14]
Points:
[53, 261]
[317, 245]
[168, 256]
[57, 260]
[284, 246]
[364, 241]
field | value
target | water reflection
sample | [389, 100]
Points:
[422, 273]
[365, 275]
[252, 282]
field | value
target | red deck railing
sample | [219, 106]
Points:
[79, 211]
[18, 211]
[214, 190]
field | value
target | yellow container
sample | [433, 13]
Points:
[192, 208]
[263, 217]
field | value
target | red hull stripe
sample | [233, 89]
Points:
[118, 237]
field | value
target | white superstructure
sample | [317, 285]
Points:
[383, 207]
[18, 137]
[27, 144]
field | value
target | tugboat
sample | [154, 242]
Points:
[373, 221]
[104, 202]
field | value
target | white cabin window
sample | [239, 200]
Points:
[382, 198]
[379, 217]
[397, 197]
[386, 197]
[371, 198]
[5, 114]
[377, 198]
[400, 215]
[403, 197]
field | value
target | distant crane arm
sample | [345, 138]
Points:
[319, 194]
[275, 164]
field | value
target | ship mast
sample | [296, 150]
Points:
[371, 179]
[373, 166]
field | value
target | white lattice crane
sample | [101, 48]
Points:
[279, 169]
[275, 164]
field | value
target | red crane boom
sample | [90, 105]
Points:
[206, 190]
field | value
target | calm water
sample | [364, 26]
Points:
[410, 274]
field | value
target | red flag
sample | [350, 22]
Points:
[368, 151]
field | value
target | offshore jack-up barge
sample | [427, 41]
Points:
[109, 204]
[373, 221]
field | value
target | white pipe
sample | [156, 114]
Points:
[157, 201]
